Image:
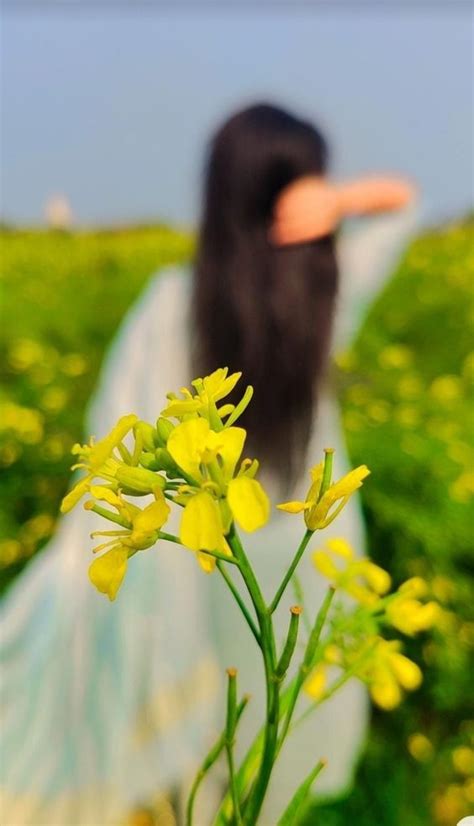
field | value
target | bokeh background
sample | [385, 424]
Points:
[109, 106]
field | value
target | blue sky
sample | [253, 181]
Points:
[112, 105]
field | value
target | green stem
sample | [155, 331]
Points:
[268, 648]
[249, 766]
[171, 538]
[249, 578]
[291, 570]
[112, 517]
[222, 557]
[299, 596]
[231, 723]
[307, 663]
[235, 593]
[289, 648]
[207, 764]
[327, 471]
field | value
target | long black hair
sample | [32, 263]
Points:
[257, 308]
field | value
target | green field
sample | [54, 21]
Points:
[406, 389]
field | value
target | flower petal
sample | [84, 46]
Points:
[75, 494]
[153, 517]
[231, 444]
[349, 483]
[107, 572]
[292, 507]
[206, 561]
[340, 547]
[201, 524]
[105, 495]
[219, 384]
[187, 443]
[386, 692]
[406, 671]
[248, 502]
[181, 407]
[102, 450]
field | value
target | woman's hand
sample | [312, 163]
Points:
[312, 207]
[379, 194]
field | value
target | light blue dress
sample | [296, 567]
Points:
[104, 705]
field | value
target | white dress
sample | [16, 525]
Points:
[104, 705]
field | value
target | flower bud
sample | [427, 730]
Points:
[147, 433]
[138, 481]
[149, 461]
[165, 462]
[163, 430]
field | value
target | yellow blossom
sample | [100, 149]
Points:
[192, 444]
[395, 356]
[420, 747]
[388, 672]
[209, 390]
[446, 389]
[93, 458]
[414, 587]
[318, 508]
[316, 683]
[360, 578]
[140, 531]
[410, 616]
[209, 459]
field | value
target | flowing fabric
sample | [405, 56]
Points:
[104, 705]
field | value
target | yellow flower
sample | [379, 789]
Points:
[140, 531]
[410, 616]
[420, 747]
[319, 509]
[141, 527]
[388, 672]
[209, 459]
[209, 390]
[360, 578]
[446, 389]
[414, 587]
[463, 760]
[395, 356]
[316, 683]
[193, 444]
[206, 520]
[93, 459]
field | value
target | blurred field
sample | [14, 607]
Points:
[406, 388]
[63, 296]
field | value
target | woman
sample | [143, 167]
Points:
[104, 706]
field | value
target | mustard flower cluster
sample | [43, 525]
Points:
[192, 457]
[355, 644]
